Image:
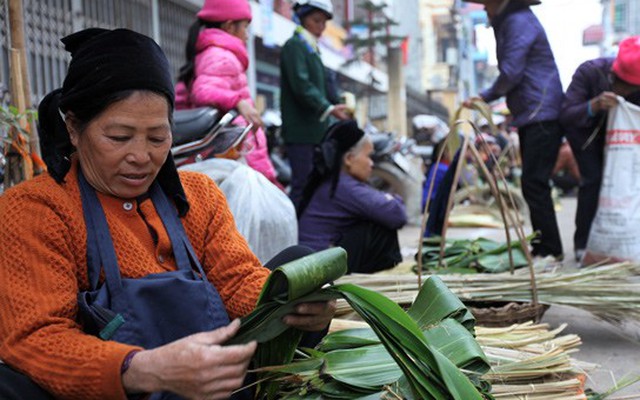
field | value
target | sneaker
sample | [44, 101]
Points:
[547, 263]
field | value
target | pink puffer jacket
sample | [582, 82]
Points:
[220, 81]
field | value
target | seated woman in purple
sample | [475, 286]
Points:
[339, 208]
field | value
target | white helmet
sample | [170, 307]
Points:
[323, 5]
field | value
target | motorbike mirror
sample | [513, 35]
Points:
[229, 138]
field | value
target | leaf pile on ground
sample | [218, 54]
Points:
[469, 256]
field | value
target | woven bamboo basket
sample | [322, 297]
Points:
[501, 314]
[489, 313]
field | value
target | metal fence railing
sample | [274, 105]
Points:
[46, 21]
[175, 20]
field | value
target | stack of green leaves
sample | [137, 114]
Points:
[419, 354]
[470, 256]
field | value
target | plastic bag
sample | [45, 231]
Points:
[217, 169]
[264, 214]
[615, 231]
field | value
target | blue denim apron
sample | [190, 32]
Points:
[153, 310]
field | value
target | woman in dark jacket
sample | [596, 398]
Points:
[339, 208]
[593, 91]
[530, 81]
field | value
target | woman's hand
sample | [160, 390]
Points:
[603, 102]
[311, 316]
[250, 114]
[468, 103]
[195, 367]
[340, 112]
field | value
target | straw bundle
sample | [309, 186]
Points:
[608, 292]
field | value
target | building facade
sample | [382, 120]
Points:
[404, 13]
[620, 19]
[439, 44]
[441, 52]
[168, 22]
[476, 70]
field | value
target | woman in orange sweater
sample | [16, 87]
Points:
[119, 276]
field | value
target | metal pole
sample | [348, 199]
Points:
[372, 56]
[396, 95]
[155, 21]
[347, 16]
[77, 14]
[251, 70]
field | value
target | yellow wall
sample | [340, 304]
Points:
[430, 9]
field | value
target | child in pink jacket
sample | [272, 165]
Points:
[214, 74]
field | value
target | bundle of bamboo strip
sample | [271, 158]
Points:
[609, 292]
[533, 361]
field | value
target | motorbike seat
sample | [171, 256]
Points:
[193, 124]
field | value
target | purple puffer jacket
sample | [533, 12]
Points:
[326, 217]
[528, 73]
[590, 79]
[220, 81]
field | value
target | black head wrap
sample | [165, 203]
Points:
[103, 64]
[327, 158]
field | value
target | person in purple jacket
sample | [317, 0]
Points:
[339, 208]
[593, 91]
[530, 81]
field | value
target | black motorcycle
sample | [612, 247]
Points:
[203, 133]
[393, 170]
[391, 166]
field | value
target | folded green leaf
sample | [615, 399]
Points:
[265, 322]
[305, 275]
[368, 367]
[436, 302]
[453, 340]
[296, 282]
[496, 263]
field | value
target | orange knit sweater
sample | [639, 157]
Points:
[43, 266]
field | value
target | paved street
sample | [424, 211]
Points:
[615, 349]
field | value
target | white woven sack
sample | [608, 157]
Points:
[615, 232]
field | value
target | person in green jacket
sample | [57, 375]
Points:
[304, 102]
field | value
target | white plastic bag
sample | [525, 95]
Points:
[615, 232]
[217, 169]
[264, 214]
